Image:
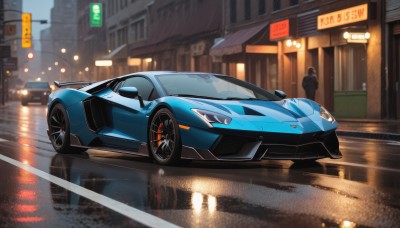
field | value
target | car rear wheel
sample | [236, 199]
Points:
[59, 130]
[164, 138]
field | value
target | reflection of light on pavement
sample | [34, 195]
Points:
[347, 224]
[27, 195]
[25, 110]
[29, 219]
[197, 201]
[26, 208]
[341, 172]
[212, 203]
[26, 162]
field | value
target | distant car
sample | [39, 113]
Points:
[35, 92]
[172, 116]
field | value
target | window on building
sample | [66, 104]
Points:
[122, 36]
[294, 2]
[247, 9]
[261, 7]
[138, 31]
[350, 67]
[111, 40]
[277, 5]
[233, 11]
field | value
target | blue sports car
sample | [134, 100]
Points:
[177, 116]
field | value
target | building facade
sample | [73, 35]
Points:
[63, 33]
[391, 98]
[92, 43]
[178, 36]
[272, 43]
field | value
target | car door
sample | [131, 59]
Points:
[126, 118]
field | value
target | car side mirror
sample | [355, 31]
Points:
[131, 92]
[280, 94]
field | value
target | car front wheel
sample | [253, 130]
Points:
[164, 138]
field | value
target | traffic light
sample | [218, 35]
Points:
[30, 55]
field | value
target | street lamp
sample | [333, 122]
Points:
[76, 57]
[63, 50]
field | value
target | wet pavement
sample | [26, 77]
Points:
[361, 189]
[369, 128]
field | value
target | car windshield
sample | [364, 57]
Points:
[210, 86]
[37, 85]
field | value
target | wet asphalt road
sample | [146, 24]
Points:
[361, 189]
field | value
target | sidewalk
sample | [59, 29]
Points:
[370, 128]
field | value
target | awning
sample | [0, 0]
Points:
[119, 52]
[233, 43]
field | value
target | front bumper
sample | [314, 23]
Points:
[248, 146]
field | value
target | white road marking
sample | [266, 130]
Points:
[130, 212]
[3, 140]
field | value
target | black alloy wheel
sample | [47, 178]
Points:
[164, 138]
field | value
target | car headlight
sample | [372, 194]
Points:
[212, 117]
[326, 115]
[24, 92]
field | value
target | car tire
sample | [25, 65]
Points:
[59, 130]
[164, 138]
[24, 103]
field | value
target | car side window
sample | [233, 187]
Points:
[145, 87]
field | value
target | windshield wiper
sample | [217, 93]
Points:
[195, 96]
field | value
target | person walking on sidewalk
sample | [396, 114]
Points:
[310, 83]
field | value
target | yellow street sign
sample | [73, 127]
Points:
[26, 30]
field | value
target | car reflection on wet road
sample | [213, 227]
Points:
[361, 189]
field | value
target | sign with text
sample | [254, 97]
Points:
[279, 30]
[343, 17]
[96, 15]
[26, 36]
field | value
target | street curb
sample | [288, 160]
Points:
[370, 135]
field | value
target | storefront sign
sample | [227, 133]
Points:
[343, 17]
[279, 30]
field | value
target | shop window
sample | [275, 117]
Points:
[247, 9]
[261, 7]
[272, 73]
[277, 5]
[351, 67]
[233, 11]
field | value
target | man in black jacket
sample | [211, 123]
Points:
[310, 83]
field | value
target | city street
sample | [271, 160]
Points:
[104, 189]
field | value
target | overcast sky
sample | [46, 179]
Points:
[40, 10]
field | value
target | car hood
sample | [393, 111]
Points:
[287, 110]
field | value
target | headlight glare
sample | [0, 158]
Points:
[24, 92]
[212, 117]
[326, 115]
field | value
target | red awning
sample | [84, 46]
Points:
[233, 43]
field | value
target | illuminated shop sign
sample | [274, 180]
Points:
[343, 17]
[279, 30]
[356, 37]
